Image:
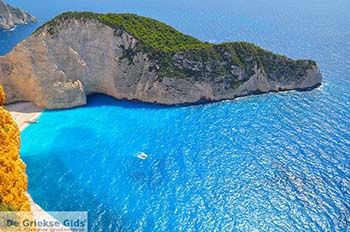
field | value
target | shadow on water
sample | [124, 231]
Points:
[65, 186]
[97, 100]
[64, 191]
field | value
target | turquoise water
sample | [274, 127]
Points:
[277, 162]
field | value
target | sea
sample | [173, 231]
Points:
[272, 162]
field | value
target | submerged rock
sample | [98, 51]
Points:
[136, 58]
[11, 16]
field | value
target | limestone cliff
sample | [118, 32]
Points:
[13, 179]
[132, 57]
[11, 16]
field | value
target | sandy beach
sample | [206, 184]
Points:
[24, 112]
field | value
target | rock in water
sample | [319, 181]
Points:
[10, 16]
[137, 58]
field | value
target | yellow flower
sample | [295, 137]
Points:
[2, 96]
[13, 180]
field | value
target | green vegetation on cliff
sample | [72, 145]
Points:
[150, 32]
[162, 41]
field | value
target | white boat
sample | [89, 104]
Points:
[142, 155]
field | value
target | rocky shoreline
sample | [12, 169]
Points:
[11, 16]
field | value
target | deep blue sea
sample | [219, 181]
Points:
[273, 162]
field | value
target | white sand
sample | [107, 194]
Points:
[23, 112]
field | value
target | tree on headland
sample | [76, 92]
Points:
[13, 179]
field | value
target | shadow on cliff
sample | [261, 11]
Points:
[23, 107]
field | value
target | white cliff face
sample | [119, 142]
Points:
[58, 70]
[10, 16]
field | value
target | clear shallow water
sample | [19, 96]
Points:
[271, 162]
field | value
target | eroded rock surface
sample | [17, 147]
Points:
[58, 67]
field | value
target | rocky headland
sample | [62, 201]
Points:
[137, 58]
[11, 16]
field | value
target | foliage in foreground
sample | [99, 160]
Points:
[13, 180]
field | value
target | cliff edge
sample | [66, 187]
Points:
[11, 16]
[137, 58]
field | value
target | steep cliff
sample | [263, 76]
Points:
[13, 180]
[11, 16]
[137, 58]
